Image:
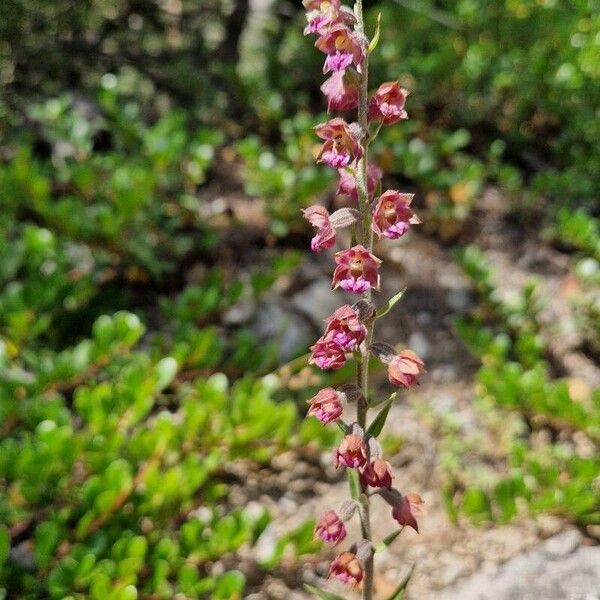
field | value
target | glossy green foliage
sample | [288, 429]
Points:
[113, 469]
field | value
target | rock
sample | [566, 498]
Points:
[274, 322]
[563, 544]
[317, 301]
[418, 343]
[22, 555]
[560, 569]
[240, 313]
[459, 299]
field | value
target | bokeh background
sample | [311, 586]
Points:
[157, 297]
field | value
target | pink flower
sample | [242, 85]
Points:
[393, 216]
[347, 183]
[322, 15]
[387, 103]
[342, 48]
[345, 328]
[357, 270]
[341, 91]
[326, 405]
[352, 452]
[377, 473]
[327, 354]
[330, 528]
[404, 368]
[347, 568]
[340, 147]
[318, 217]
[410, 507]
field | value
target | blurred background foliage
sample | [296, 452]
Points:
[124, 393]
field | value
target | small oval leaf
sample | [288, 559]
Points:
[385, 309]
[379, 421]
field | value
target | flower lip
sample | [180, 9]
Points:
[347, 568]
[357, 270]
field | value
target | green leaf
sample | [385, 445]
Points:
[377, 425]
[401, 589]
[375, 39]
[165, 369]
[321, 594]
[4, 544]
[385, 309]
[387, 541]
[230, 586]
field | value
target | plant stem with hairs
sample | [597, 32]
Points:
[350, 329]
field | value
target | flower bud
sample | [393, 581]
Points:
[330, 528]
[404, 368]
[347, 568]
[326, 405]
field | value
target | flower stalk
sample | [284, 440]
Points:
[349, 331]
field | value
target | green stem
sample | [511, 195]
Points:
[362, 362]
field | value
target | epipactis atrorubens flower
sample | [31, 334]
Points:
[345, 328]
[357, 270]
[387, 103]
[347, 183]
[341, 90]
[377, 473]
[393, 216]
[352, 452]
[347, 568]
[326, 405]
[327, 354]
[341, 146]
[408, 509]
[324, 14]
[330, 528]
[343, 48]
[404, 368]
[318, 217]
